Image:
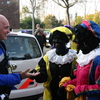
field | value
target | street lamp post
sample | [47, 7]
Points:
[33, 2]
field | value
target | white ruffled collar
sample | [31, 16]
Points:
[84, 59]
[68, 58]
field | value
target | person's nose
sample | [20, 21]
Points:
[8, 30]
[54, 40]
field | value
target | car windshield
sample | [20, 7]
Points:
[19, 47]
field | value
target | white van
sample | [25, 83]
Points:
[24, 52]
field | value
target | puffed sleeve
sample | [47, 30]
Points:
[94, 81]
[41, 67]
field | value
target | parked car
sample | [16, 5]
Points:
[24, 52]
[26, 31]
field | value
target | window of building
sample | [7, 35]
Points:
[2, 2]
[0, 9]
[8, 2]
[7, 10]
[15, 16]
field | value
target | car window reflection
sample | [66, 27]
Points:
[22, 48]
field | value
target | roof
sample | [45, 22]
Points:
[21, 34]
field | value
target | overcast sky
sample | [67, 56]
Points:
[60, 12]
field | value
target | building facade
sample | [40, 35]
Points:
[10, 9]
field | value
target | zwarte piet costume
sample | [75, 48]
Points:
[87, 81]
[56, 63]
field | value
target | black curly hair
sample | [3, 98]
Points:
[59, 35]
[85, 39]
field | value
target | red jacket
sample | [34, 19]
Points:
[87, 81]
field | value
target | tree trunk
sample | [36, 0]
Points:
[33, 9]
[68, 16]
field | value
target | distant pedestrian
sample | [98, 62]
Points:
[39, 34]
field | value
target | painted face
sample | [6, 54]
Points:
[4, 29]
[85, 39]
[58, 43]
[59, 39]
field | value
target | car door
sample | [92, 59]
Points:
[24, 52]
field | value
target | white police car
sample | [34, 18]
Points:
[24, 52]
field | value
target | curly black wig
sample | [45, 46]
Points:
[58, 35]
[85, 39]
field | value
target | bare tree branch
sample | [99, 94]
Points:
[57, 2]
[66, 4]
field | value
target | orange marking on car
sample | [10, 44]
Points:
[26, 84]
[36, 85]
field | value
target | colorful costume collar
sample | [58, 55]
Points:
[84, 59]
[68, 58]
